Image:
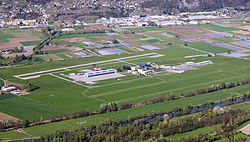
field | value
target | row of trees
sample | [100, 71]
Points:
[157, 129]
[15, 60]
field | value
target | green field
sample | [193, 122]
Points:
[125, 114]
[77, 44]
[31, 43]
[63, 56]
[1, 83]
[24, 108]
[58, 51]
[89, 36]
[47, 58]
[150, 41]
[218, 28]
[3, 37]
[208, 47]
[144, 29]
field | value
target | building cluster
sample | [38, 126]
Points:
[97, 72]
[152, 68]
[11, 90]
[187, 18]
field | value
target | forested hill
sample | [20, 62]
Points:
[190, 5]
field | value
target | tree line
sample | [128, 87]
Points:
[161, 126]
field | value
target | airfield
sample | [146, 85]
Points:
[59, 94]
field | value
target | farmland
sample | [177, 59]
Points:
[60, 95]
[124, 114]
[208, 47]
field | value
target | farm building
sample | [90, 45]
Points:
[8, 89]
[101, 72]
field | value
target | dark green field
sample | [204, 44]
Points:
[24, 108]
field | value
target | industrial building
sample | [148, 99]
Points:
[101, 72]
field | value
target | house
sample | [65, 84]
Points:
[8, 89]
[101, 72]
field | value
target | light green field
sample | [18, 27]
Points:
[3, 37]
[63, 56]
[48, 58]
[144, 29]
[31, 43]
[124, 114]
[208, 47]
[89, 36]
[218, 28]
[77, 44]
[58, 51]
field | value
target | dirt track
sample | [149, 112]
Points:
[7, 117]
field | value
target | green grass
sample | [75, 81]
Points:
[47, 58]
[144, 29]
[218, 28]
[90, 21]
[63, 56]
[31, 43]
[89, 36]
[124, 114]
[58, 42]
[3, 37]
[1, 83]
[24, 108]
[204, 130]
[58, 51]
[77, 44]
[149, 41]
[208, 47]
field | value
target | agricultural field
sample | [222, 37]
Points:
[144, 29]
[208, 47]
[218, 28]
[10, 39]
[60, 95]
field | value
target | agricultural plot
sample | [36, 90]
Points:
[208, 47]
[229, 47]
[24, 108]
[137, 30]
[218, 28]
[150, 41]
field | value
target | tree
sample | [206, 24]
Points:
[115, 41]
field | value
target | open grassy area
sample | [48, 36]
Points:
[77, 44]
[31, 43]
[23, 108]
[145, 29]
[208, 47]
[3, 37]
[58, 51]
[150, 41]
[124, 114]
[218, 28]
[63, 56]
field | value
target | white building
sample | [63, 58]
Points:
[101, 72]
[8, 89]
